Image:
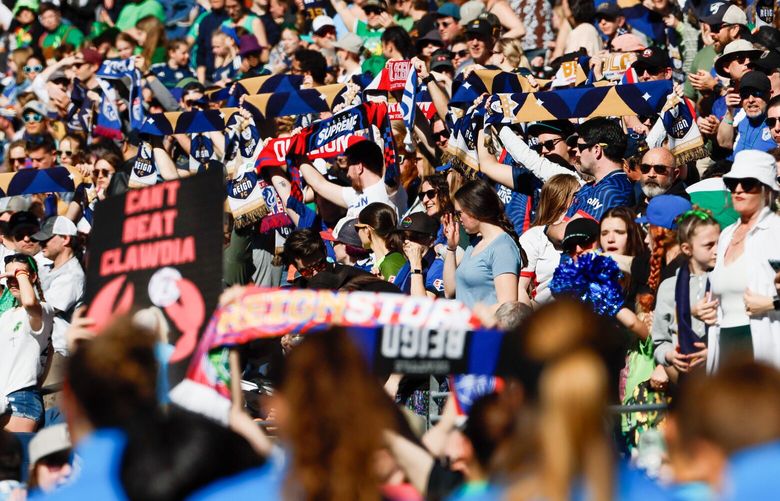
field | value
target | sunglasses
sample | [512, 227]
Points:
[443, 24]
[312, 269]
[372, 10]
[748, 92]
[650, 70]
[717, 27]
[661, 170]
[429, 194]
[749, 184]
[586, 146]
[33, 68]
[19, 160]
[771, 122]
[546, 145]
[22, 258]
[461, 53]
[64, 153]
[32, 117]
[101, 172]
[443, 135]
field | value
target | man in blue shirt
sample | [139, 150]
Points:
[745, 129]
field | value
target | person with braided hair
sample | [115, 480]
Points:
[25, 331]
[488, 270]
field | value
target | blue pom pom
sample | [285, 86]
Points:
[594, 279]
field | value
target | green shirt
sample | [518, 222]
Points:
[134, 12]
[65, 33]
[371, 37]
[390, 265]
[704, 60]
[404, 22]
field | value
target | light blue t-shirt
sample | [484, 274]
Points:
[474, 278]
[752, 136]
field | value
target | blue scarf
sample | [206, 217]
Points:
[682, 292]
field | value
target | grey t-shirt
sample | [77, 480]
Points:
[474, 278]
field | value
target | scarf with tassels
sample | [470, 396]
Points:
[678, 120]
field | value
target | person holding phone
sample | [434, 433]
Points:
[743, 281]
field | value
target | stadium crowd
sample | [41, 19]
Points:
[631, 257]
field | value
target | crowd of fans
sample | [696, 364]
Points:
[692, 350]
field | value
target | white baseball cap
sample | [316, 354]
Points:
[321, 22]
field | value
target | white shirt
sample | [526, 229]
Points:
[543, 258]
[21, 348]
[63, 289]
[356, 202]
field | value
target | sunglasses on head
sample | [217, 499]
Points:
[32, 117]
[749, 184]
[33, 68]
[461, 53]
[546, 145]
[429, 194]
[659, 169]
[771, 122]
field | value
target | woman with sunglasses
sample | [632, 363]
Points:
[16, 158]
[68, 148]
[744, 298]
[25, 331]
[487, 273]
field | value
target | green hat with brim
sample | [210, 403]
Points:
[32, 5]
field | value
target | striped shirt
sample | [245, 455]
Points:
[594, 199]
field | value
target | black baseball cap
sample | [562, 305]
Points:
[480, 27]
[608, 10]
[562, 127]
[23, 220]
[441, 59]
[755, 80]
[581, 231]
[419, 222]
[652, 57]
[769, 62]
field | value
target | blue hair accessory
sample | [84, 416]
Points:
[593, 279]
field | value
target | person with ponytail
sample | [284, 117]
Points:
[25, 332]
[377, 227]
[679, 338]
[487, 273]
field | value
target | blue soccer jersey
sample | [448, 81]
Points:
[594, 199]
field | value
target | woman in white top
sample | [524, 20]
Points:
[743, 290]
[543, 257]
[25, 330]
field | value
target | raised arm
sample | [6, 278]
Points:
[330, 191]
[492, 168]
[531, 160]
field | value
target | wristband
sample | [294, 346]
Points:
[415, 272]
[428, 79]
[452, 250]
[23, 272]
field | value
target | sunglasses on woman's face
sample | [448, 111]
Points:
[64, 153]
[429, 194]
[749, 184]
[546, 145]
[101, 172]
[771, 121]
[461, 53]
[33, 68]
[17, 160]
[32, 117]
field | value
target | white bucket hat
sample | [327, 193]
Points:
[757, 165]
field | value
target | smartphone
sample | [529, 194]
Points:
[775, 264]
